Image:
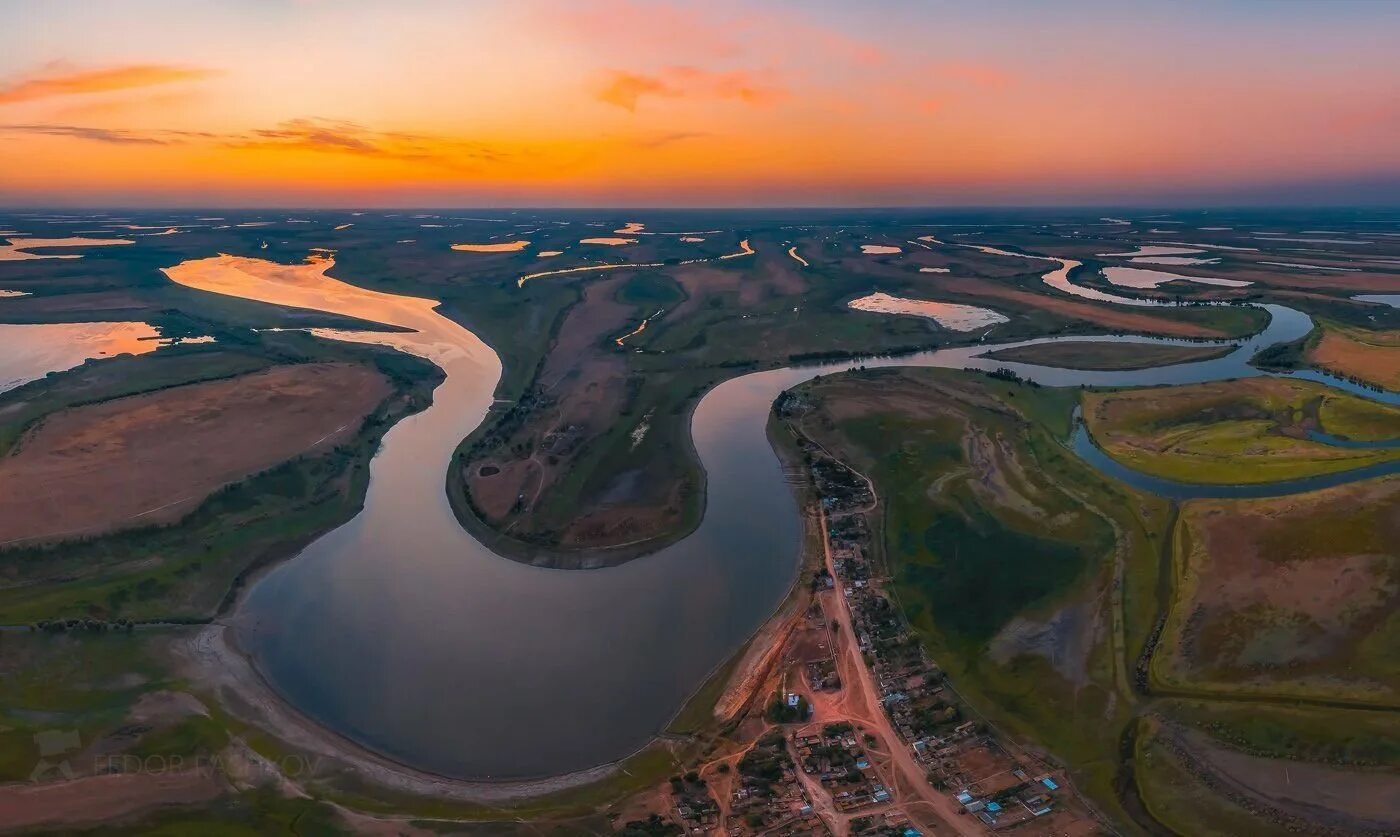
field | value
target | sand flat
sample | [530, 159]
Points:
[502, 247]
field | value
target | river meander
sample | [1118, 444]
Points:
[402, 632]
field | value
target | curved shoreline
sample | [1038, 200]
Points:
[338, 565]
[217, 661]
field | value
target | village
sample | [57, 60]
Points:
[865, 734]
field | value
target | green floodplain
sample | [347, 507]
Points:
[1044, 589]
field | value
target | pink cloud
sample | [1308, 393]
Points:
[625, 88]
[101, 80]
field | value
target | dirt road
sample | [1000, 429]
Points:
[907, 782]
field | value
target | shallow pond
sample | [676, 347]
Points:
[947, 314]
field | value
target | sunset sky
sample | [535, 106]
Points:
[626, 102]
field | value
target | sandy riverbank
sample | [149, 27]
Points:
[213, 661]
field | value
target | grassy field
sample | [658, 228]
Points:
[1291, 596]
[185, 570]
[1205, 770]
[1371, 356]
[1037, 585]
[1178, 799]
[622, 481]
[1034, 582]
[1109, 356]
[582, 468]
[1031, 580]
[1245, 431]
[1351, 738]
[121, 376]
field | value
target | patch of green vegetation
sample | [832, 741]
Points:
[81, 683]
[252, 814]
[1109, 356]
[1175, 797]
[185, 571]
[120, 376]
[1327, 736]
[1023, 531]
[1028, 570]
[1229, 320]
[1286, 356]
[192, 736]
[963, 556]
[1335, 643]
[656, 290]
[1235, 432]
[1358, 419]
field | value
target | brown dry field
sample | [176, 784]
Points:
[1321, 280]
[152, 458]
[1372, 356]
[700, 280]
[1355, 800]
[587, 387]
[102, 800]
[1105, 316]
[1290, 593]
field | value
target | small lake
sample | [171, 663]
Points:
[1137, 277]
[947, 314]
[29, 352]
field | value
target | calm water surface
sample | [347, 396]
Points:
[29, 352]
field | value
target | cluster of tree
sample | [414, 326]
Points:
[652, 826]
[839, 354]
[781, 712]
[95, 626]
[1002, 373]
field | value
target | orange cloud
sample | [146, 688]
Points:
[339, 137]
[932, 104]
[978, 75]
[98, 81]
[317, 136]
[113, 136]
[624, 89]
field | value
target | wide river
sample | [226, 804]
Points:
[402, 632]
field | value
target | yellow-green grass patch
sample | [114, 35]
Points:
[1235, 432]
